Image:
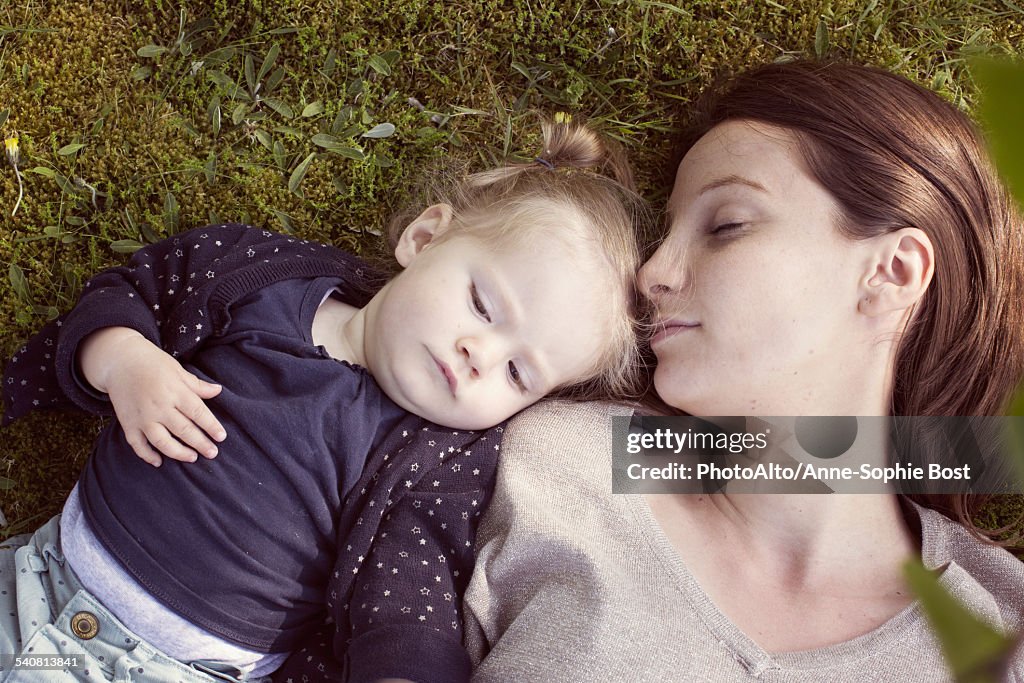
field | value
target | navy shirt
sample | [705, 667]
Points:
[244, 543]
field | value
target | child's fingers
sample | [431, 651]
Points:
[164, 442]
[201, 387]
[199, 413]
[184, 427]
[137, 440]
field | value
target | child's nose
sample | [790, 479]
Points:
[480, 355]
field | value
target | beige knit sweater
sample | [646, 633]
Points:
[576, 584]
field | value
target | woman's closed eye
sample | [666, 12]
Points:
[478, 303]
[723, 229]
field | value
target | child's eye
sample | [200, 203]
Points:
[513, 372]
[478, 304]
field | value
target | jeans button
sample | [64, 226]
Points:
[85, 625]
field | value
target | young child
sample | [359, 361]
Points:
[337, 406]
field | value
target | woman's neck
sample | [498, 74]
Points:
[794, 572]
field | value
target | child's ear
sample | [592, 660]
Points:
[901, 267]
[423, 230]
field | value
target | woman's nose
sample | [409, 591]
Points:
[663, 273]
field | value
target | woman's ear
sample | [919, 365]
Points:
[901, 267]
[423, 230]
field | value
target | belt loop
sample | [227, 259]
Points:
[36, 563]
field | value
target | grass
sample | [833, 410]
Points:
[138, 119]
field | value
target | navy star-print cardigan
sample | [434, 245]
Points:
[404, 534]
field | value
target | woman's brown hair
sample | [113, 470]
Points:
[895, 154]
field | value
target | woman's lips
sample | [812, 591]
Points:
[670, 328]
[449, 376]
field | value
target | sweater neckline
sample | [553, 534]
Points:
[752, 656]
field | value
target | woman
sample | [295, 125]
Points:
[838, 245]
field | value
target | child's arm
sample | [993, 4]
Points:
[404, 612]
[158, 403]
[162, 287]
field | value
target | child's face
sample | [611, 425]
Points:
[470, 333]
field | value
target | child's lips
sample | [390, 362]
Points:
[453, 382]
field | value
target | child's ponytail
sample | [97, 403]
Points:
[572, 145]
[568, 146]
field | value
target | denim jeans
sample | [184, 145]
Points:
[53, 630]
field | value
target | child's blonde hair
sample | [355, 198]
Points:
[582, 171]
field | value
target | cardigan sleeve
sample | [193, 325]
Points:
[404, 561]
[405, 610]
[143, 294]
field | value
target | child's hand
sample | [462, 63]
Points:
[158, 403]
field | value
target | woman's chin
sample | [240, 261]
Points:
[680, 394]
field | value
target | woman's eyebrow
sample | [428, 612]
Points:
[732, 180]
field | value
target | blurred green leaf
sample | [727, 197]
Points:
[380, 65]
[68, 150]
[325, 140]
[285, 220]
[331, 62]
[264, 139]
[148, 233]
[1002, 111]
[42, 170]
[3, 116]
[214, 110]
[341, 119]
[268, 61]
[63, 183]
[280, 158]
[6, 484]
[238, 115]
[347, 152]
[151, 51]
[975, 652]
[18, 283]
[333, 144]
[1016, 430]
[274, 80]
[821, 40]
[381, 130]
[313, 109]
[299, 173]
[250, 73]
[126, 246]
[141, 73]
[280, 107]
[171, 214]
[210, 169]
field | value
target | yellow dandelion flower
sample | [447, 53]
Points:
[11, 147]
[563, 117]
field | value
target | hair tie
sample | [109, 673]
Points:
[545, 163]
